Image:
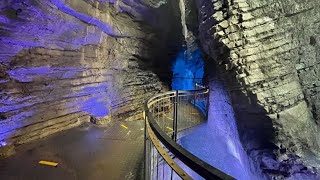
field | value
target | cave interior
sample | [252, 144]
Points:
[75, 75]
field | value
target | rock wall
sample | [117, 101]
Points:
[267, 52]
[63, 63]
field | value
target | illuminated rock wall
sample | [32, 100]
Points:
[268, 57]
[63, 63]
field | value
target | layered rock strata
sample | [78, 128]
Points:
[67, 62]
[267, 52]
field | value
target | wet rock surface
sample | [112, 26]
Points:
[6, 150]
[84, 152]
[63, 63]
[266, 53]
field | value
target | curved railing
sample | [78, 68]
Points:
[169, 116]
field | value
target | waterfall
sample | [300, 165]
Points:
[188, 67]
[182, 7]
[187, 70]
[217, 141]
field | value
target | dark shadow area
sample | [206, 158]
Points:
[85, 152]
[170, 39]
[255, 128]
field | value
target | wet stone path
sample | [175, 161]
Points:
[86, 152]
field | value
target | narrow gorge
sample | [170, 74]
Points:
[68, 63]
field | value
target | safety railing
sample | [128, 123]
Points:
[167, 117]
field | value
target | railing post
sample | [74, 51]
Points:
[156, 137]
[146, 153]
[175, 117]
[145, 144]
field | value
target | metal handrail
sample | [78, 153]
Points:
[197, 165]
[165, 155]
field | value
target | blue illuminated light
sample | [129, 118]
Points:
[105, 27]
[96, 106]
[10, 106]
[187, 70]
[52, 25]
[3, 19]
[9, 125]
[3, 143]
[96, 103]
[28, 74]
[46, 27]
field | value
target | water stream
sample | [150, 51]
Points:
[216, 141]
[182, 7]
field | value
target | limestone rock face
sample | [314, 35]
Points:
[66, 62]
[6, 150]
[267, 52]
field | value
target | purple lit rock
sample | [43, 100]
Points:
[63, 63]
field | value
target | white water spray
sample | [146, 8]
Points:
[217, 141]
[182, 7]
